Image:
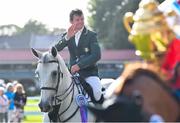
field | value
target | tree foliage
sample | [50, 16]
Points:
[31, 27]
[107, 20]
[34, 27]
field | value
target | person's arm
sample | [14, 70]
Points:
[16, 102]
[4, 102]
[25, 99]
[62, 43]
[94, 56]
[7, 101]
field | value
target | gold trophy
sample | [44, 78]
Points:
[149, 32]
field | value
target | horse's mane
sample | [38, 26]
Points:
[63, 65]
[148, 73]
[151, 74]
[128, 72]
[135, 70]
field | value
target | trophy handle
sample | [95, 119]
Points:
[170, 13]
[128, 18]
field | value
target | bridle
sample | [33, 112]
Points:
[57, 98]
[59, 73]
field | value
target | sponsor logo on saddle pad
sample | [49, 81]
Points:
[81, 100]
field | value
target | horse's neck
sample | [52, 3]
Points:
[63, 65]
[66, 78]
[67, 102]
[65, 84]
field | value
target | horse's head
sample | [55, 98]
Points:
[120, 109]
[49, 75]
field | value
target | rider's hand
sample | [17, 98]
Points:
[71, 31]
[75, 68]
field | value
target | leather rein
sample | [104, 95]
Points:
[57, 98]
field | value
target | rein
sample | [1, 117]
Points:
[80, 91]
[57, 98]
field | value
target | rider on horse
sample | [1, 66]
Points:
[84, 53]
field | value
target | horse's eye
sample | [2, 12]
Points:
[37, 75]
[54, 73]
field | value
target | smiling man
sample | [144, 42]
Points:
[84, 52]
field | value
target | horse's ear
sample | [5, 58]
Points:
[54, 51]
[36, 53]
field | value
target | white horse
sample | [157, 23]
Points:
[58, 90]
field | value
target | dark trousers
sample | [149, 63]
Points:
[3, 117]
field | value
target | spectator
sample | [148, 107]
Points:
[10, 95]
[2, 83]
[4, 103]
[15, 82]
[19, 101]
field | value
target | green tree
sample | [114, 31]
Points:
[9, 29]
[34, 27]
[107, 20]
[57, 31]
[31, 27]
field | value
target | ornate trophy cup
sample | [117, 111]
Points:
[148, 29]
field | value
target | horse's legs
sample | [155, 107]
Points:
[46, 118]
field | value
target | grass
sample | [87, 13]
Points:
[33, 119]
[32, 106]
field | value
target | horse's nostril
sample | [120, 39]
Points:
[40, 106]
[48, 107]
[44, 107]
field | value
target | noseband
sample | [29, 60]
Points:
[58, 81]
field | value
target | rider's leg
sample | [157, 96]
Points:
[95, 83]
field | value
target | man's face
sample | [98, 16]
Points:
[11, 89]
[79, 21]
[19, 89]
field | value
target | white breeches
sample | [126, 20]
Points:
[95, 83]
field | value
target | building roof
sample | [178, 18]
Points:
[27, 41]
[44, 41]
[16, 49]
[26, 57]
[14, 42]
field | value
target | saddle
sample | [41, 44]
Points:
[88, 89]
